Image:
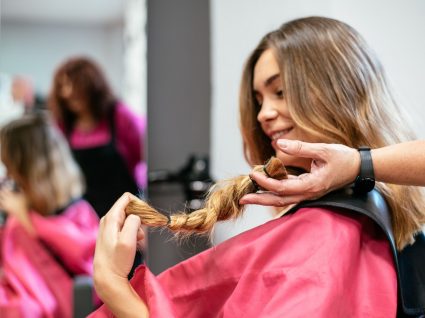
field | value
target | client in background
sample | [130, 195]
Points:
[50, 232]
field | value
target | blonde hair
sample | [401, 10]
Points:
[336, 90]
[38, 158]
[222, 203]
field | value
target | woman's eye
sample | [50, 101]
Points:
[259, 100]
[279, 93]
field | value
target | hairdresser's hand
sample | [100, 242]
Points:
[333, 167]
[116, 245]
[113, 259]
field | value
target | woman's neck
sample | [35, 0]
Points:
[280, 211]
[85, 123]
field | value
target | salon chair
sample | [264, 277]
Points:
[170, 191]
[83, 296]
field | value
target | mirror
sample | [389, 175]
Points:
[36, 37]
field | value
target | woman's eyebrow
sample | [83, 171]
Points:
[269, 81]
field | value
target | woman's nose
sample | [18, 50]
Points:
[268, 112]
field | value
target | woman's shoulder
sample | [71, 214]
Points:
[81, 209]
[308, 241]
[318, 218]
[314, 216]
[314, 227]
[128, 119]
[123, 110]
[125, 117]
[332, 223]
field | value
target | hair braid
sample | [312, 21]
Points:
[222, 203]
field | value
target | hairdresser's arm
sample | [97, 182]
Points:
[402, 163]
[335, 166]
[115, 251]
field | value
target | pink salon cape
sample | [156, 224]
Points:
[314, 263]
[33, 283]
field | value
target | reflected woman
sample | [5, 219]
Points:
[106, 137]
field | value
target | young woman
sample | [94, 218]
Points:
[105, 136]
[50, 232]
[313, 79]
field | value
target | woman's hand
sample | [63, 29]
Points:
[114, 256]
[117, 240]
[15, 204]
[333, 166]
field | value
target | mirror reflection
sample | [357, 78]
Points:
[73, 126]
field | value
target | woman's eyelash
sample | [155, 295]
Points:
[258, 101]
[278, 93]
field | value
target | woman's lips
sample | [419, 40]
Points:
[280, 134]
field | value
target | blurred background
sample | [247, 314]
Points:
[179, 63]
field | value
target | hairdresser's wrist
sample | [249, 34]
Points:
[343, 166]
[354, 169]
[120, 297]
[106, 282]
[109, 285]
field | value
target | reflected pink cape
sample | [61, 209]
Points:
[33, 283]
[314, 263]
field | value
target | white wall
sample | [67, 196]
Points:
[394, 29]
[36, 49]
[135, 56]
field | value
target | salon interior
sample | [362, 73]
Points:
[177, 65]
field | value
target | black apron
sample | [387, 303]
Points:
[106, 173]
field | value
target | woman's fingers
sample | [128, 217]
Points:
[140, 234]
[116, 243]
[130, 229]
[114, 219]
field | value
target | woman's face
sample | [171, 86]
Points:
[274, 116]
[67, 91]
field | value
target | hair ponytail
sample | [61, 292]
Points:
[222, 203]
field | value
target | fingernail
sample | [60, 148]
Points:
[282, 143]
